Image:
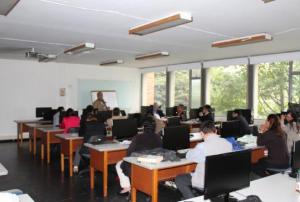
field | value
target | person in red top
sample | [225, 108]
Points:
[70, 121]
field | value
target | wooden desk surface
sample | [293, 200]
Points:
[51, 129]
[108, 147]
[28, 121]
[39, 125]
[69, 136]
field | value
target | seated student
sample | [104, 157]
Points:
[206, 113]
[160, 124]
[70, 121]
[116, 114]
[213, 144]
[181, 112]
[57, 116]
[157, 110]
[244, 126]
[290, 128]
[275, 140]
[146, 141]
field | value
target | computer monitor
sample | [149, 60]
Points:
[194, 113]
[41, 112]
[225, 173]
[138, 117]
[176, 137]
[124, 128]
[230, 129]
[229, 115]
[104, 115]
[170, 111]
[144, 109]
[296, 156]
[174, 121]
[294, 108]
[123, 113]
[247, 113]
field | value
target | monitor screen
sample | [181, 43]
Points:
[247, 113]
[41, 112]
[176, 137]
[230, 129]
[173, 121]
[193, 113]
[229, 115]
[296, 156]
[170, 111]
[225, 173]
[144, 109]
[124, 128]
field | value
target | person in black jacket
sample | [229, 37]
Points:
[244, 126]
[146, 141]
[205, 113]
[275, 140]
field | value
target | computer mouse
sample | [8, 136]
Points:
[253, 198]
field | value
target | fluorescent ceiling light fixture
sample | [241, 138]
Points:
[267, 1]
[111, 62]
[7, 5]
[151, 55]
[161, 24]
[46, 58]
[243, 40]
[85, 47]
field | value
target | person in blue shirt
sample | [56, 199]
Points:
[213, 144]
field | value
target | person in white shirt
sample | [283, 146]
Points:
[57, 116]
[291, 128]
[213, 144]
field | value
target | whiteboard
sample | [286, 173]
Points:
[110, 97]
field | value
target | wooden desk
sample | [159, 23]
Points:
[103, 155]
[152, 174]
[197, 138]
[32, 128]
[69, 144]
[22, 128]
[48, 137]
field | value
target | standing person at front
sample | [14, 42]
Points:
[213, 144]
[275, 140]
[100, 104]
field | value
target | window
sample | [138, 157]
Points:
[179, 88]
[295, 82]
[272, 88]
[296, 66]
[154, 88]
[227, 88]
[195, 88]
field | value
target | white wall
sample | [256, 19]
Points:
[25, 85]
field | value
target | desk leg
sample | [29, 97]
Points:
[62, 162]
[42, 151]
[48, 148]
[105, 173]
[133, 194]
[21, 133]
[92, 177]
[71, 158]
[154, 193]
[30, 143]
[34, 142]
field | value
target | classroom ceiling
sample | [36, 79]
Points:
[50, 26]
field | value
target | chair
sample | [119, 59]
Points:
[173, 121]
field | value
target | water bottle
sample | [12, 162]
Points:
[298, 181]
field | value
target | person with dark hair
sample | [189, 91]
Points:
[244, 126]
[71, 120]
[274, 139]
[180, 111]
[290, 127]
[146, 141]
[116, 115]
[57, 116]
[213, 144]
[206, 113]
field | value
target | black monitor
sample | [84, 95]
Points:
[176, 138]
[294, 108]
[230, 129]
[124, 128]
[41, 112]
[247, 113]
[173, 121]
[229, 115]
[170, 111]
[194, 113]
[225, 173]
[104, 115]
[123, 113]
[138, 117]
[296, 156]
[144, 109]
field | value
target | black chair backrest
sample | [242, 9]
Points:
[73, 130]
[177, 137]
[93, 129]
[174, 121]
[170, 111]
